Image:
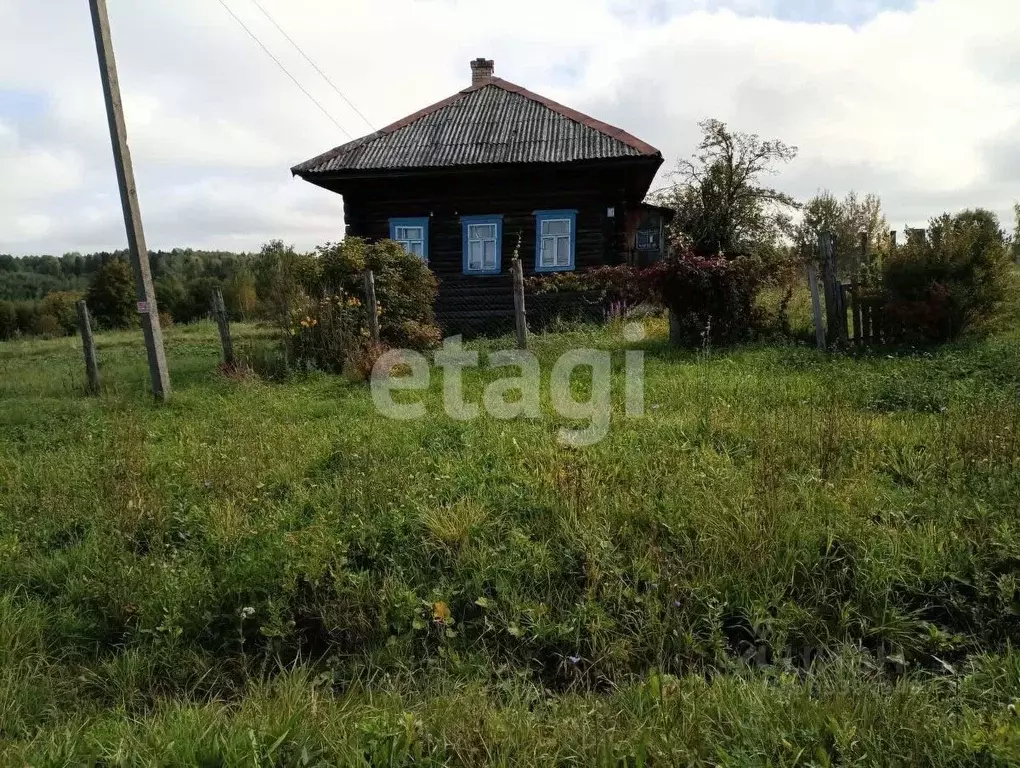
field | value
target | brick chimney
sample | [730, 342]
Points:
[482, 71]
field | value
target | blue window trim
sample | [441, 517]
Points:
[413, 222]
[494, 219]
[541, 216]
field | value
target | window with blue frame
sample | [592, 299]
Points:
[483, 244]
[556, 243]
[413, 234]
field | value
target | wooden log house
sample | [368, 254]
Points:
[459, 183]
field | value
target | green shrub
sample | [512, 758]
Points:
[47, 326]
[61, 306]
[951, 280]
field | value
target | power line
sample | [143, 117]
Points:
[285, 70]
[314, 65]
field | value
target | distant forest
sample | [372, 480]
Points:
[30, 278]
[37, 293]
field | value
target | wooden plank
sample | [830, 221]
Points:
[520, 312]
[835, 321]
[841, 293]
[88, 345]
[858, 286]
[223, 322]
[816, 305]
[371, 306]
[857, 311]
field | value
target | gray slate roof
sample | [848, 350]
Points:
[491, 123]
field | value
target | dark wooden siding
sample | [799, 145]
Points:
[516, 195]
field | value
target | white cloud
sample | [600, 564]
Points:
[921, 105]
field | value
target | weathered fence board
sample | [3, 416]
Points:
[88, 345]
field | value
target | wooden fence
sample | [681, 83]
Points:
[854, 310]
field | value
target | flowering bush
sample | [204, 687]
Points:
[405, 287]
[319, 304]
[324, 334]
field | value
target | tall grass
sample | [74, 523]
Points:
[792, 560]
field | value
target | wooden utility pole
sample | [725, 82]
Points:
[88, 346]
[372, 306]
[223, 322]
[146, 294]
[520, 312]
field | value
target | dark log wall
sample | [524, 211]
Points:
[445, 197]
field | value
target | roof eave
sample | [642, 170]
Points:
[377, 173]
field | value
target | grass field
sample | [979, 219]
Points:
[792, 560]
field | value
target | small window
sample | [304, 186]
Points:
[413, 234]
[648, 240]
[556, 242]
[483, 244]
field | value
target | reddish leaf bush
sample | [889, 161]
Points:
[610, 284]
[711, 300]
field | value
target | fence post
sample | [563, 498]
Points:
[856, 284]
[836, 324]
[520, 312]
[816, 304]
[220, 311]
[372, 306]
[88, 345]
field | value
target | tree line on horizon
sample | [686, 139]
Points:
[38, 293]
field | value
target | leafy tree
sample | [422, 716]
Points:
[284, 278]
[846, 219]
[200, 293]
[723, 206]
[1015, 244]
[111, 296]
[172, 297]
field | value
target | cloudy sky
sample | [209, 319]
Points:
[918, 101]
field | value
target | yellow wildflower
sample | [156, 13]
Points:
[441, 612]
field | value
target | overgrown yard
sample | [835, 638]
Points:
[792, 560]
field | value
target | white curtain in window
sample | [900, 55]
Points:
[481, 246]
[556, 243]
[412, 238]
